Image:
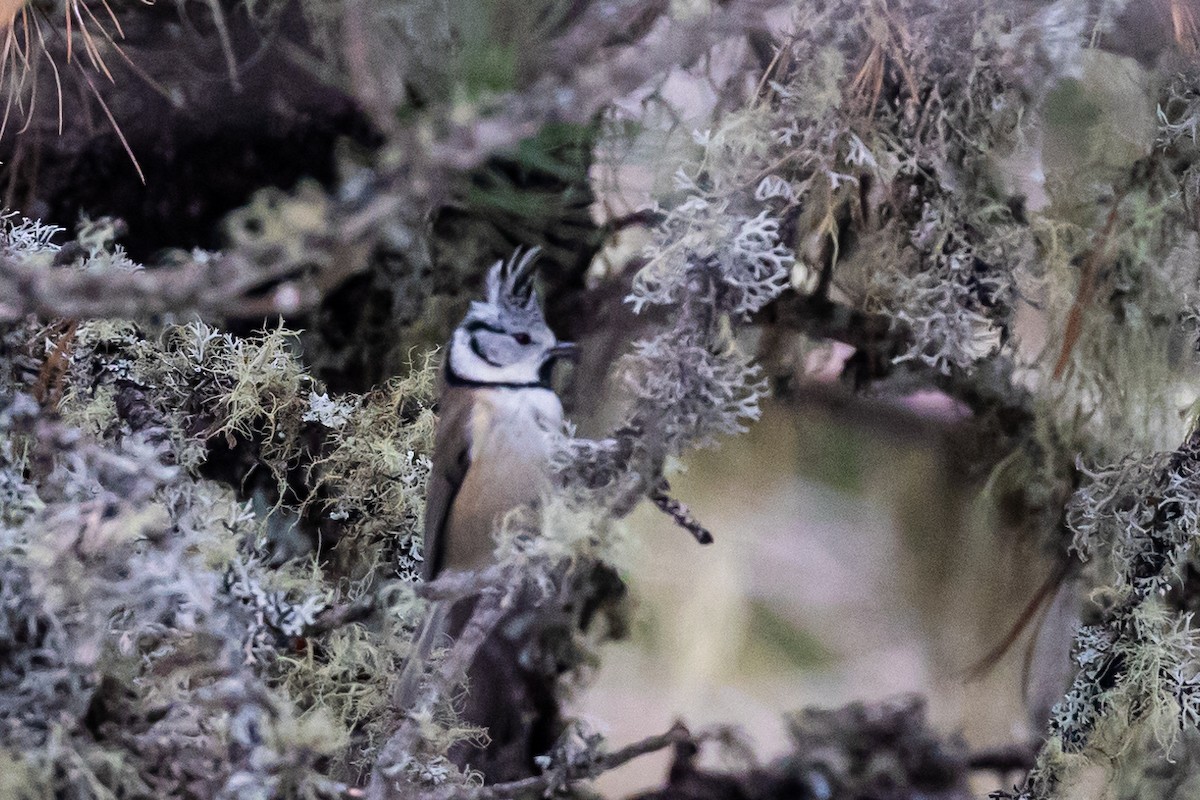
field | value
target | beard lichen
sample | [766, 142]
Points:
[159, 639]
[189, 516]
[995, 184]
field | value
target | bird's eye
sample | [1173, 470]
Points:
[522, 338]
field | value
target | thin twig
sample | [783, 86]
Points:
[1087, 281]
[565, 774]
[1038, 603]
[456, 585]
[678, 512]
[1003, 759]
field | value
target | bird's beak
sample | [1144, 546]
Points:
[567, 350]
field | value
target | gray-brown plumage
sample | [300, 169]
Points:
[492, 450]
[496, 418]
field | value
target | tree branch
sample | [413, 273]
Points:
[387, 777]
[236, 285]
[677, 511]
[579, 94]
[339, 616]
[563, 775]
[457, 585]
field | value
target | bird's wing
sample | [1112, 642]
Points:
[451, 459]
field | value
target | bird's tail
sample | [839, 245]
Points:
[513, 701]
[434, 633]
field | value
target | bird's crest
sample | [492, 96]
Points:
[510, 283]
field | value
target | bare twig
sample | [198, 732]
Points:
[677, 511]
[1036, 606]
[827, 319]
[1003, 759]
[879, 338]
[1087, 285]
[456, 585]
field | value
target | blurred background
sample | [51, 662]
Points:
[845, 568]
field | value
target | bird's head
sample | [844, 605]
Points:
[504, 340]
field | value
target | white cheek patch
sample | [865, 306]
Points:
[466, 364]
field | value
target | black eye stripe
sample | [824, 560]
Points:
[479, 325]
[473, 327]
[477, 350]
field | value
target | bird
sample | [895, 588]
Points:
[498, 417]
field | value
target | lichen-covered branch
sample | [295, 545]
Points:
[560, 777]
[208, 551]
[392, 775]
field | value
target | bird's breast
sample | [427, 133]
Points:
[513, 421]
[511, 440]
